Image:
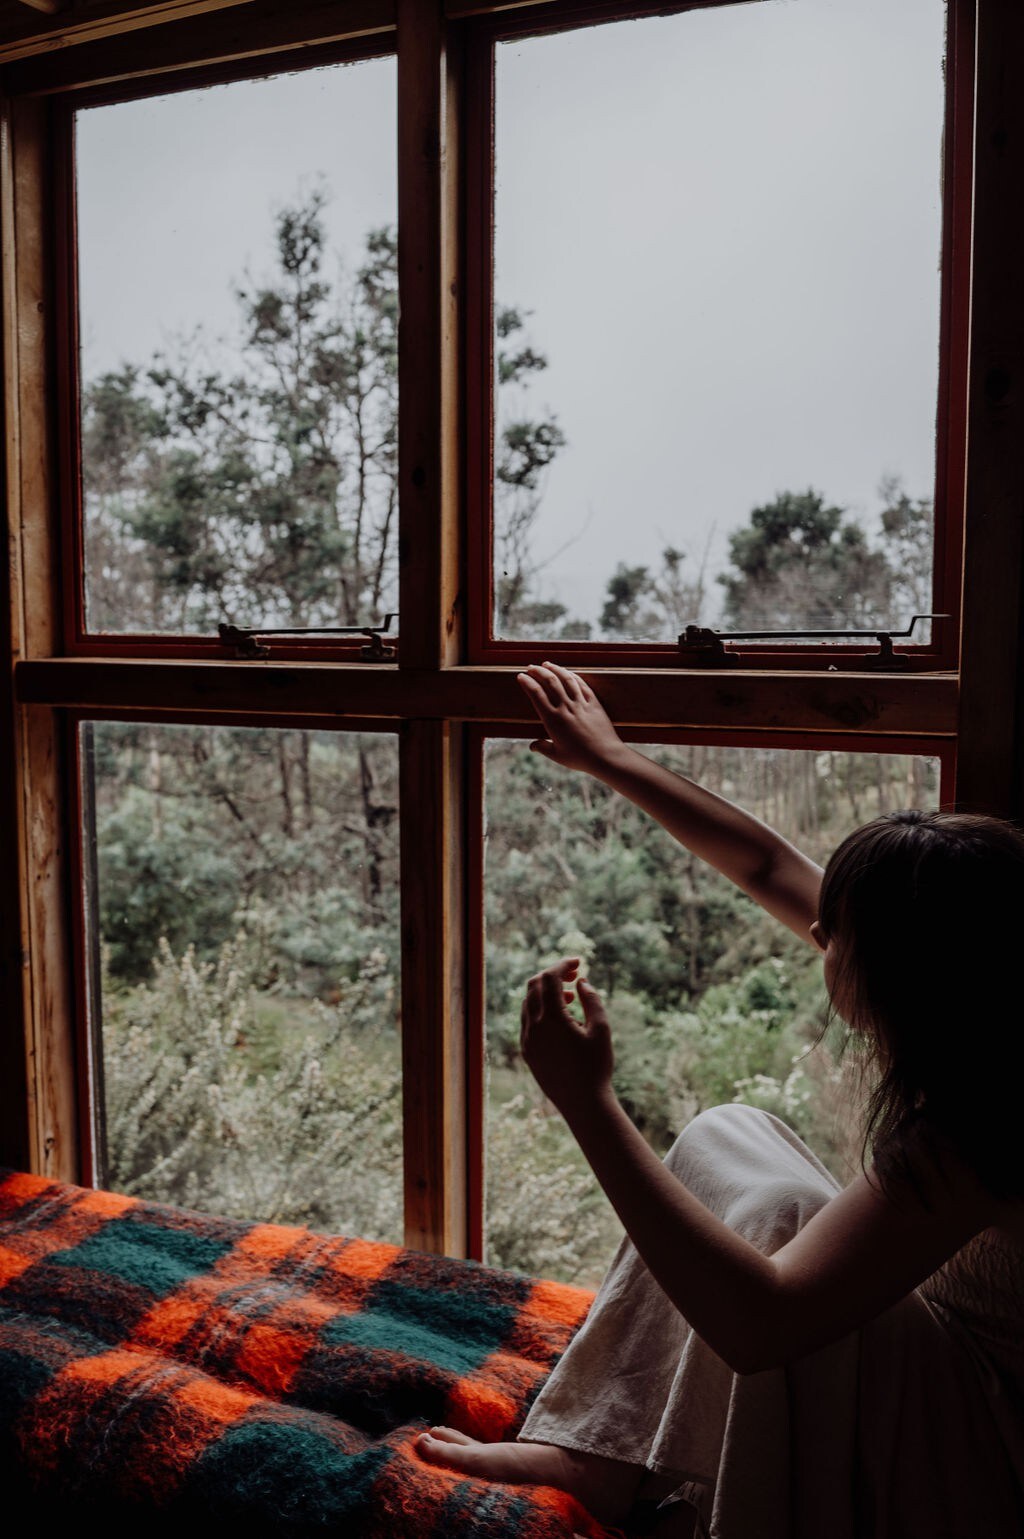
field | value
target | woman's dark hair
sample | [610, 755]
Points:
[926, 911]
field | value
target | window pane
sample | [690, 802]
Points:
[242, 930]
[710, 999]
[238, 315]
[717, 313]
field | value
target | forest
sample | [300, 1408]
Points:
[243, 883]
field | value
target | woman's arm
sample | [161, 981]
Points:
[861, 1253]
[762, 863]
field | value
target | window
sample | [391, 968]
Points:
[241, 901]
[237, 392]
[715, 323]
[126, 707]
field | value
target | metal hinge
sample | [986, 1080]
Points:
[704, 648]
[249, 644]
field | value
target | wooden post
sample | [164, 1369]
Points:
[432, 803]
[989, 774]
[39, 1034]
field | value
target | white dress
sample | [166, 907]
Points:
[910, 1428]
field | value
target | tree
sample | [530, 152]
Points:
[655, 606]
[264, 491]
[804, 564]
[908, 538]
[261, 487]
[524, 448]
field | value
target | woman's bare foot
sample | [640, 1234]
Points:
[606, 1487]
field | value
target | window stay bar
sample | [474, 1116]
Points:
[248, 644]
[704, 647]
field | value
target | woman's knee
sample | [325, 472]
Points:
[752, 1171]
[722, 1126]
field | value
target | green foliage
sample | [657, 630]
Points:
[289, 839]
[161, 881]
[201, 830]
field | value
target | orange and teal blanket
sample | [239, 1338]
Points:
[170, 1372]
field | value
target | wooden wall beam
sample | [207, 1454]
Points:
[39, 1030]
[990, 714]
[868, 703]
[15, 1104]
[434, 995]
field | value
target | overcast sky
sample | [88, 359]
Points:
[725, 225]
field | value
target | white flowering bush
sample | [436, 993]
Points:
[206, 1107]
[545, 1213]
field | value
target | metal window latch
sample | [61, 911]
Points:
[249, 644]
[702, 647]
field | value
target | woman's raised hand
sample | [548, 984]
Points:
[571, 1060]
[579, 732]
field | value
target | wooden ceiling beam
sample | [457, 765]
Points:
[41, 26]
[229, 37]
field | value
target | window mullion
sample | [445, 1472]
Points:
[434, 849]
[428, 471]
[432, 802]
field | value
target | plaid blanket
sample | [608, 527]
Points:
[190, 1372]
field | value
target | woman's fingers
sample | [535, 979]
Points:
[537, 693]
[552, 989]
[547, 990]
[590, 999]
[549, 682]
[575, 686]
[569, 682]
[538, 697]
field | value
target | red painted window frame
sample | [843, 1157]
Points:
[942, 652]
[79, 641]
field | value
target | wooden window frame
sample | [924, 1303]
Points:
[441, 701]
[79, 641]
[558, 16]
[82, 894]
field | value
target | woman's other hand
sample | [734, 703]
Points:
[579, 732]
[571, 1060]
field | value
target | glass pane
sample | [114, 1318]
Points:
[243, 936]
[238, 318]
[710, 999]
[717, 320]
